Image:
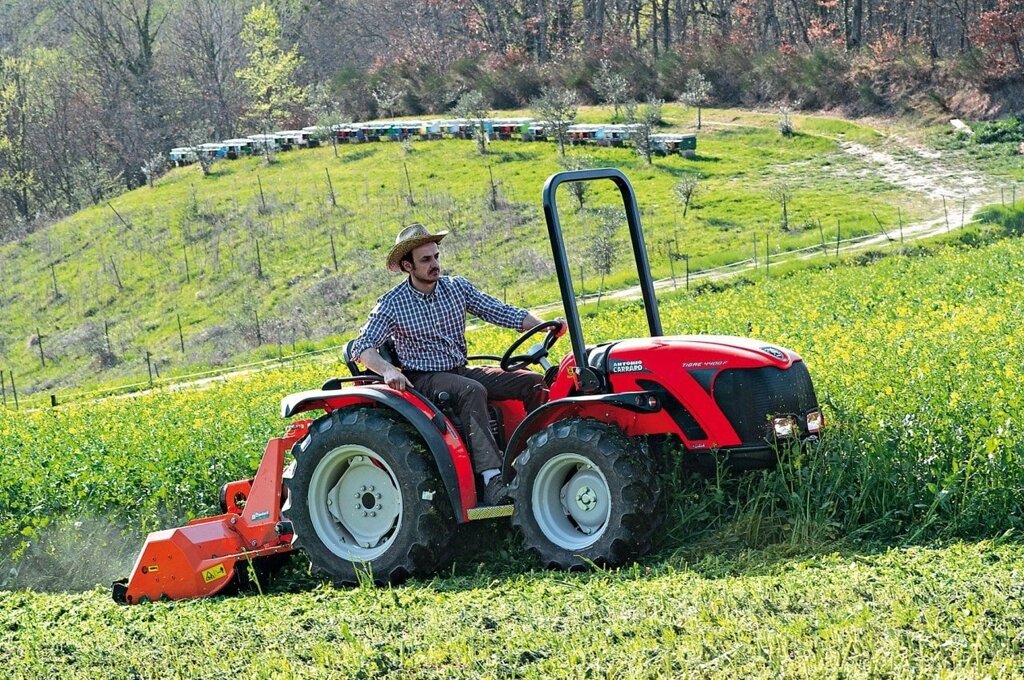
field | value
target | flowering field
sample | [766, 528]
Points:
[913, 357]
[788, 573]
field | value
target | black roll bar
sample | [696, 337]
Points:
[588, 381]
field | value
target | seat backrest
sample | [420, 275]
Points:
[387, 351]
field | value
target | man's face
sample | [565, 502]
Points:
[426, 266]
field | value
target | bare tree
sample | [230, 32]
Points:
[685, 189]
[117, 40]
[782, 194]
[205, 54]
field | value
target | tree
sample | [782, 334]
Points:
[698, 92]
[557, 108]
[610, 86]
[387, 98]
[578, 190]
[117, 41]
[604, 247]
[327, 113]
[16, 177]
[643, 121]
[271, 72]
[685, 189]
[782, 194]
[206, 53]
[473, 107]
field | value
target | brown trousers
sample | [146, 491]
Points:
[469, 388]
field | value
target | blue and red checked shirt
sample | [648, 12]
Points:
[429, 330]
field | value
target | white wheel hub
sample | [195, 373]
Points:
[571, 501]
[355, 504]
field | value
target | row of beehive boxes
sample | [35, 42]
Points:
[525, 129]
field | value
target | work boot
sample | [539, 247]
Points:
[496, 492]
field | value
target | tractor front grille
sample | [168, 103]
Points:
[751, 397]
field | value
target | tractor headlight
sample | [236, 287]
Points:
[815, 421]
[784, 426]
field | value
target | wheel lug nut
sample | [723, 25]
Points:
[364, 513]
[379, 507]
[363, 489]
[358, 506]
[369, 488]
[378, 496]
[373, 514]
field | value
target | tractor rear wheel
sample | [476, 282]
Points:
[364, 500]
[584, 493]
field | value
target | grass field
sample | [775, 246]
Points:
[258, 260]
[869, 611]
[890, 550]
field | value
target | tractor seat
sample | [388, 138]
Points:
[387, 351]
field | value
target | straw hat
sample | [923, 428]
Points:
[409, 239]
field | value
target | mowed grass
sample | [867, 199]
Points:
[257, 260]
[951, 611]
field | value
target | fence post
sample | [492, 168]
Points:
[334, 252]
[42, 357]
[899, 215]
[14, 390]
[181, 336]
[767, 254]
[3, 388]
[149, 369]
[53, 400]
[330, 186]
[259, 334]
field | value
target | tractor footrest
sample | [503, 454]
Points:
[489, 512]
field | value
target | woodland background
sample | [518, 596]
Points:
[94, 92]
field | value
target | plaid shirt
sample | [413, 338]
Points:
[429, 330]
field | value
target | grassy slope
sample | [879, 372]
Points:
[947, 612]
[133, 278]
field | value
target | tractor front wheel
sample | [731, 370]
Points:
[364, 500]
[584, 493]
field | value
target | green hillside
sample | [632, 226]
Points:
[256, 260]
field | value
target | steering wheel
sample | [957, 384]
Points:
[510, 361]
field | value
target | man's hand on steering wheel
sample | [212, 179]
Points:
[511, 361]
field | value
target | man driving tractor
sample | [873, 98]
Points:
[425, 317]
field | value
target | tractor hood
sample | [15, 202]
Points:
[693, 352]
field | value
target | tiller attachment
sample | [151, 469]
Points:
[201, 558]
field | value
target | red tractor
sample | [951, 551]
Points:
[379, 484]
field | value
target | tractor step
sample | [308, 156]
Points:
[489, 512]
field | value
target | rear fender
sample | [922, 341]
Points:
[450, 454]
[635, 413]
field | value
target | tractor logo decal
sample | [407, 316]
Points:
[774, 352]
[215, 572]
[634, 366]
[257, 516]
[703, 364]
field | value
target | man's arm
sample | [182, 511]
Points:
[394, 377]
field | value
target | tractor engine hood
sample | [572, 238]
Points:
[727, 390]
